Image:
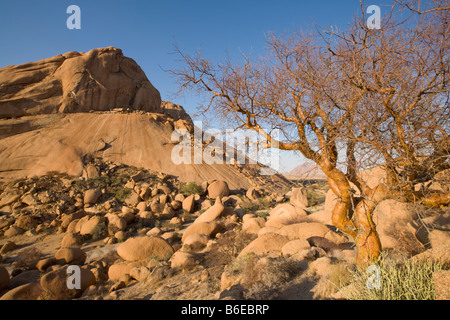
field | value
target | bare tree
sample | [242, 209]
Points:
[424, 7]
[343, 97]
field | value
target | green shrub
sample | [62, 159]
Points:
[263, 214]
[80, 185]
[255, 205]
[122, 194]
[191, 188]
[100, 231]
[315, 198]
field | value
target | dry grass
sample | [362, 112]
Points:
[263, 278]
[411, 279]
[230, 244]
[339, 276]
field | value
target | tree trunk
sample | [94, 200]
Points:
[353, 216]
[368, 245]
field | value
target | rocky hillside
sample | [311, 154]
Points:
[87, 183]
[56, 112]
[141, 234]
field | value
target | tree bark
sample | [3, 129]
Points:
[353, 215]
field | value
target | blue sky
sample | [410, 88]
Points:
[147, 31]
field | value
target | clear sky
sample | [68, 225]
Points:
[147, 31]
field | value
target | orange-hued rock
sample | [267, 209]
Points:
[56, 112]
[140, 248]
[100, 79]
[133, 139]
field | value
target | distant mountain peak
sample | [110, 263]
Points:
[306, 170]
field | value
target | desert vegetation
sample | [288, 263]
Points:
[347, 100]
[94, 188]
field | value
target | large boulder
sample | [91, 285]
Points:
[133, 199]
[440, 244]
[299, 198]
[253, 193]
[196, 241]
[218, 189]
[28, 291]
[212, 214]
[94, 226]
[70, 256]
[295, 246]
[7, 198]
[306, 230]
[119, 269]
[182, 260]
[71, 240]
[391, 218]
[267, 244]
[43, 264]
[26, 222]
[26, 276]
[330, 200]
[285, 214]
[209, 229]
[101, 79]
[13, 231]
[7, 247]
[141, 248]
[322, 216]
[91, 196]
[188, 204]
[115, 223]
[54, 284]
[253, 225]
[373, 176]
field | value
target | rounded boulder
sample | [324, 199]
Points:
[218, 189]
[141, 248]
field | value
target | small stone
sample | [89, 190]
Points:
[253, 194]
[92, 171]
[182, 260]
[13, 231]
[7, 247]
[141, 206]
[176, 205]
[138, 176]
[196, 241]
[43, 264]
[70, 256]
[140, 273]
[91, 196]
[189, 203]
[120, 236]
[133, 199]
[71, 240]
[154, 232]
[117, 286]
